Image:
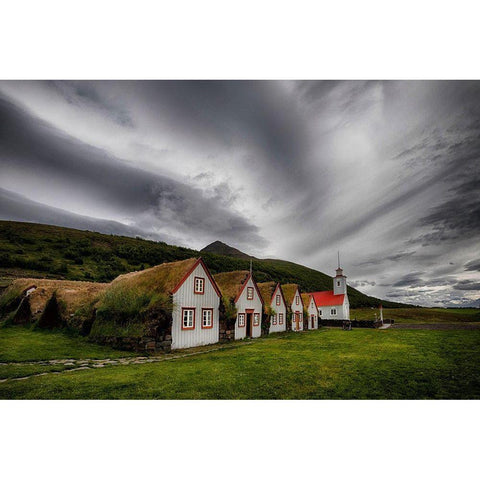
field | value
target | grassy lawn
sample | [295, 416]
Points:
[19, 344]
[420, 315]
[328, 363]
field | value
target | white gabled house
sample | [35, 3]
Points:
[272, 295]
[240, 288]
[333, 304]
[294, 302]
[312, 319]
[195, 316]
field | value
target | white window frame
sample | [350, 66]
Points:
[274, 319]
[190, 325]
[250, 291]
[333, 311]
[241, 320]
[210, 312]
[277, 300]
[280, 318]
[297, 300]
[256, 319]
[319, 313]
[199, 281]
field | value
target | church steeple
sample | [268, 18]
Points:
[340, 280]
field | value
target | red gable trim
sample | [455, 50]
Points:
[214, 284]
[281, 293]
[326, 299]
[249, 276]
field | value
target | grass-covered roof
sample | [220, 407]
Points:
[230, 283]
[289, 292]
[72, 294]
[306, 299]
[160, 279]
[266, 291]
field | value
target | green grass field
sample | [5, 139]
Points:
[420, 315]
[322, 364]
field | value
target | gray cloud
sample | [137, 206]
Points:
[151, 201]
[467, 285]
[473, 265]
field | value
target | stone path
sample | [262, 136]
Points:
[88, 364]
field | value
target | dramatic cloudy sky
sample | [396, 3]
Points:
[386, 172]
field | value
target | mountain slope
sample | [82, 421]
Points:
[34, 250]
[221, 248]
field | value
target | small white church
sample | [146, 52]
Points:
[333, 304]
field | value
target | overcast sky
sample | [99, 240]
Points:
[386, 172]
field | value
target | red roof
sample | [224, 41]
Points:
[325, 299]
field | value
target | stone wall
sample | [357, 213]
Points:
[226, 331]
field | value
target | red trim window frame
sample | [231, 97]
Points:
[202, 291]
[297, 300]
[274, 319]
[211, 318]
[256, 319]
[241, 320]
[249, 293]
[183, 318]
[280, 318]
[277, 300]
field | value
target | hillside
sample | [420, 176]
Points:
[44, 251]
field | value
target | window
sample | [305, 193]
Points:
[249, 293]
[274, 319]
[188, 318]
[199, 285]
[338, 283]
[241, 319]
[319, 312]
[333, 311]
[277, 299]
[297, 300]
[207, 317]
[280, 318]
[256, 319]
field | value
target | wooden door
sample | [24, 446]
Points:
[297, 321]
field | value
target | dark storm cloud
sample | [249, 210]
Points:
[473, 265]
[83, 94]
[393, 258]
[32, 147]
[410, 280]
[361, 283]
[467, 285]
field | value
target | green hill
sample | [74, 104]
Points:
[34, 250]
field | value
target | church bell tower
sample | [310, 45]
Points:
[340, 280]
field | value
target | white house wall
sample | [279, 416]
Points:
[282, 308]
[184, 297]
[243, 305]
[297, 309]
[343, 311]
[312, 310]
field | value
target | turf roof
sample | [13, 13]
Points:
[159, 279]
[73, 294]
[289, 292]
[266, 291]
[230, 283]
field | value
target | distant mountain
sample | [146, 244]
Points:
[221, 248]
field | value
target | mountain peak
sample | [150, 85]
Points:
[221, 248]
